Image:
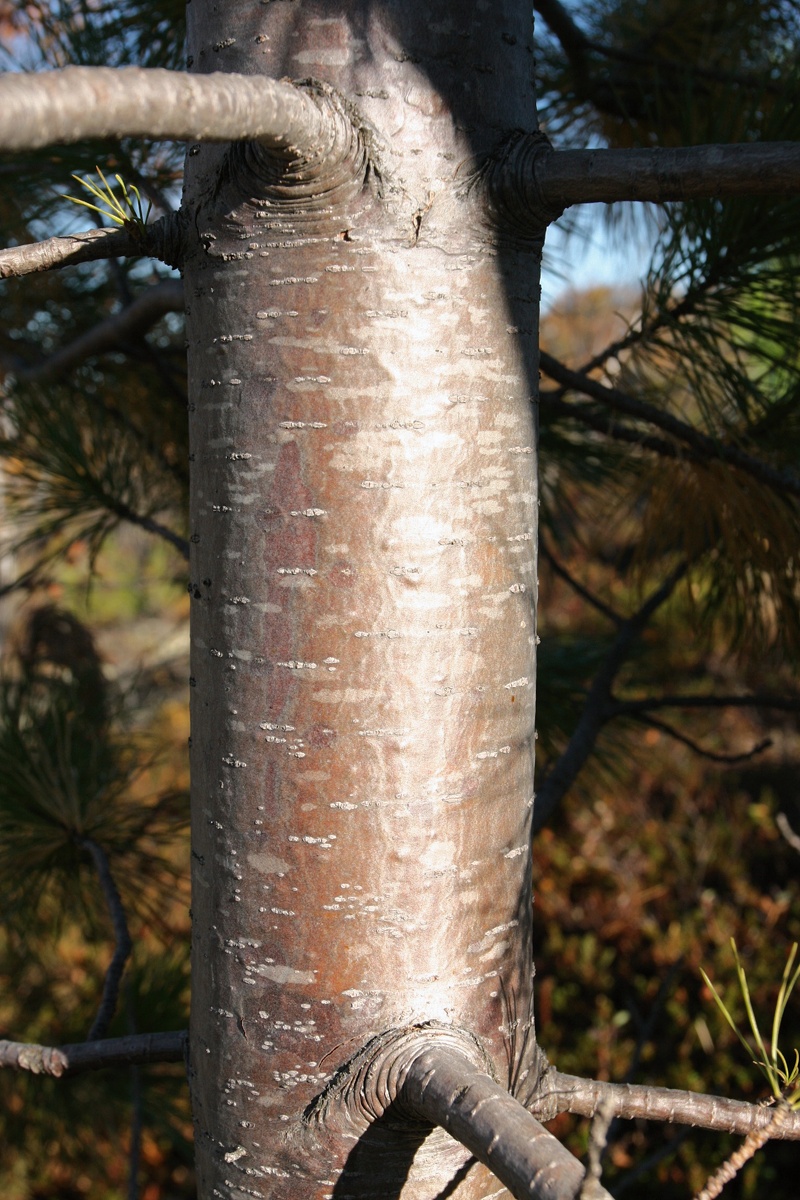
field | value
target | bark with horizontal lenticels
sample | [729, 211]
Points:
[362, 349]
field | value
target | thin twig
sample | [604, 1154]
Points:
[122, 938]
[696, 748]
[577, 587]
[751, 1145]
[140, 1048]
[621, 708]
[598, 1140]
[559, 1092]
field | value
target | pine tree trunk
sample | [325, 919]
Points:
[362, 346]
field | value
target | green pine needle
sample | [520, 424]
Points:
[774, 1066]
[130, 209]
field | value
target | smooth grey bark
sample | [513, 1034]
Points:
[362, 334]
[362, 354]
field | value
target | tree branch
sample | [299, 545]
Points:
[129, 322]
[752, 1144]
[162, 239]
[594, 715]
[606, 425]
[571, 37]
[561, 178]
[444, 1087]
[136, 1049]
[624, 708]
[559, 1093]
[122, 938]
[578, 587]
[54, 252]
[57, 107]
[703, 445]
[728, 759]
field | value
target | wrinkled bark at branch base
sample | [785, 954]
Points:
[404, 1090]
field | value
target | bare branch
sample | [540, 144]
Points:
[122, 938]
[594, 715]
[128, 323]
[54, 252]
[136, 1049]
[559, 1093]
[561, 178]
[58, 107]
[752, 1144]
[444, 1087]
[706, 447]
[161, 240]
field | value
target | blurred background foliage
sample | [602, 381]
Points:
[671, 451]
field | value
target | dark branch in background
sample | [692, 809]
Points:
[705, 446]
[139, 1049]
[122, 939]
[625, 708]
[569, 1093]
[728, 759]
[150, 524]
[577, 47]
[130, 322]
[639, 710]
[574, 42]
[567, 767]
[645, 1165]
[606, 425]
[576, 586]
